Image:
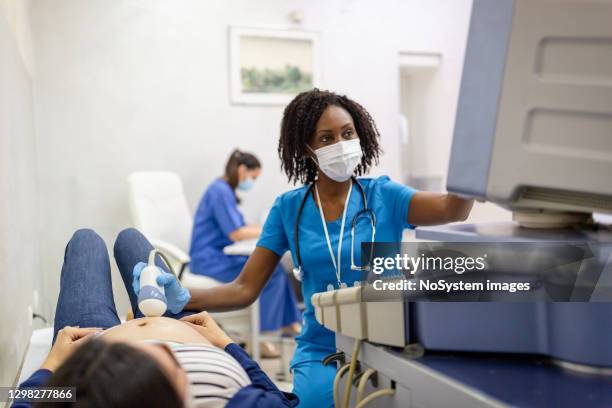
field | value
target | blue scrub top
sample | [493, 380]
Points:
[215, 219]
[388, 200]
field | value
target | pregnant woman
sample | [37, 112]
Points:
[150, 361]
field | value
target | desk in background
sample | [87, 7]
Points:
[245, 247]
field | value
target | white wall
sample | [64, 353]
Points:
[424, 102]
[143, 84]
[418, 99]
[19, 243]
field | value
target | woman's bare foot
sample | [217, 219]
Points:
[292, 330]
[269, 350]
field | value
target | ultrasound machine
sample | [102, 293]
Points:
[533, 134]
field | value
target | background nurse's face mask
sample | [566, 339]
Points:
[246, 184]
[339, 161]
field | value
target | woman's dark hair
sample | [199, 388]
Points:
[236, 159]
[299, 124]
[113, 375]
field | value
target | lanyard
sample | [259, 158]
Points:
[337, 264]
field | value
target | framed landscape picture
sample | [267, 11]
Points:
[271, 66]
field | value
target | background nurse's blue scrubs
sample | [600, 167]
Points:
[390, 202]
[216, 218]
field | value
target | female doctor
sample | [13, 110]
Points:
[326, 139]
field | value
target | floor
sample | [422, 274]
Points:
[278, 368]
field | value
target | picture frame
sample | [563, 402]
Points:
[271, 66]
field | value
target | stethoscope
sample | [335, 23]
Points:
[365, 212]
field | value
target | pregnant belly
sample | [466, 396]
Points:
[154, 328]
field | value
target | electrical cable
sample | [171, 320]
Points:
[363, 381]
[163, 257]
[337, 379]
[374, 395]
[39, 316]
[349, 380]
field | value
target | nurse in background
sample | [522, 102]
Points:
[218, 223]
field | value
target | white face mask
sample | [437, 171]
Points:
[339, 161]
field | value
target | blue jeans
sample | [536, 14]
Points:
[86, 291]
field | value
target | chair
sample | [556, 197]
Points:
[159, 210]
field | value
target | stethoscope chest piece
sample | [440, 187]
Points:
[297, 273]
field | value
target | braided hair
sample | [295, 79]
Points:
[298, 127]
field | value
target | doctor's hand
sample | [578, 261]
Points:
[204, 324]
[176, 295]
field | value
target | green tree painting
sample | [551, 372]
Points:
[290, 79]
